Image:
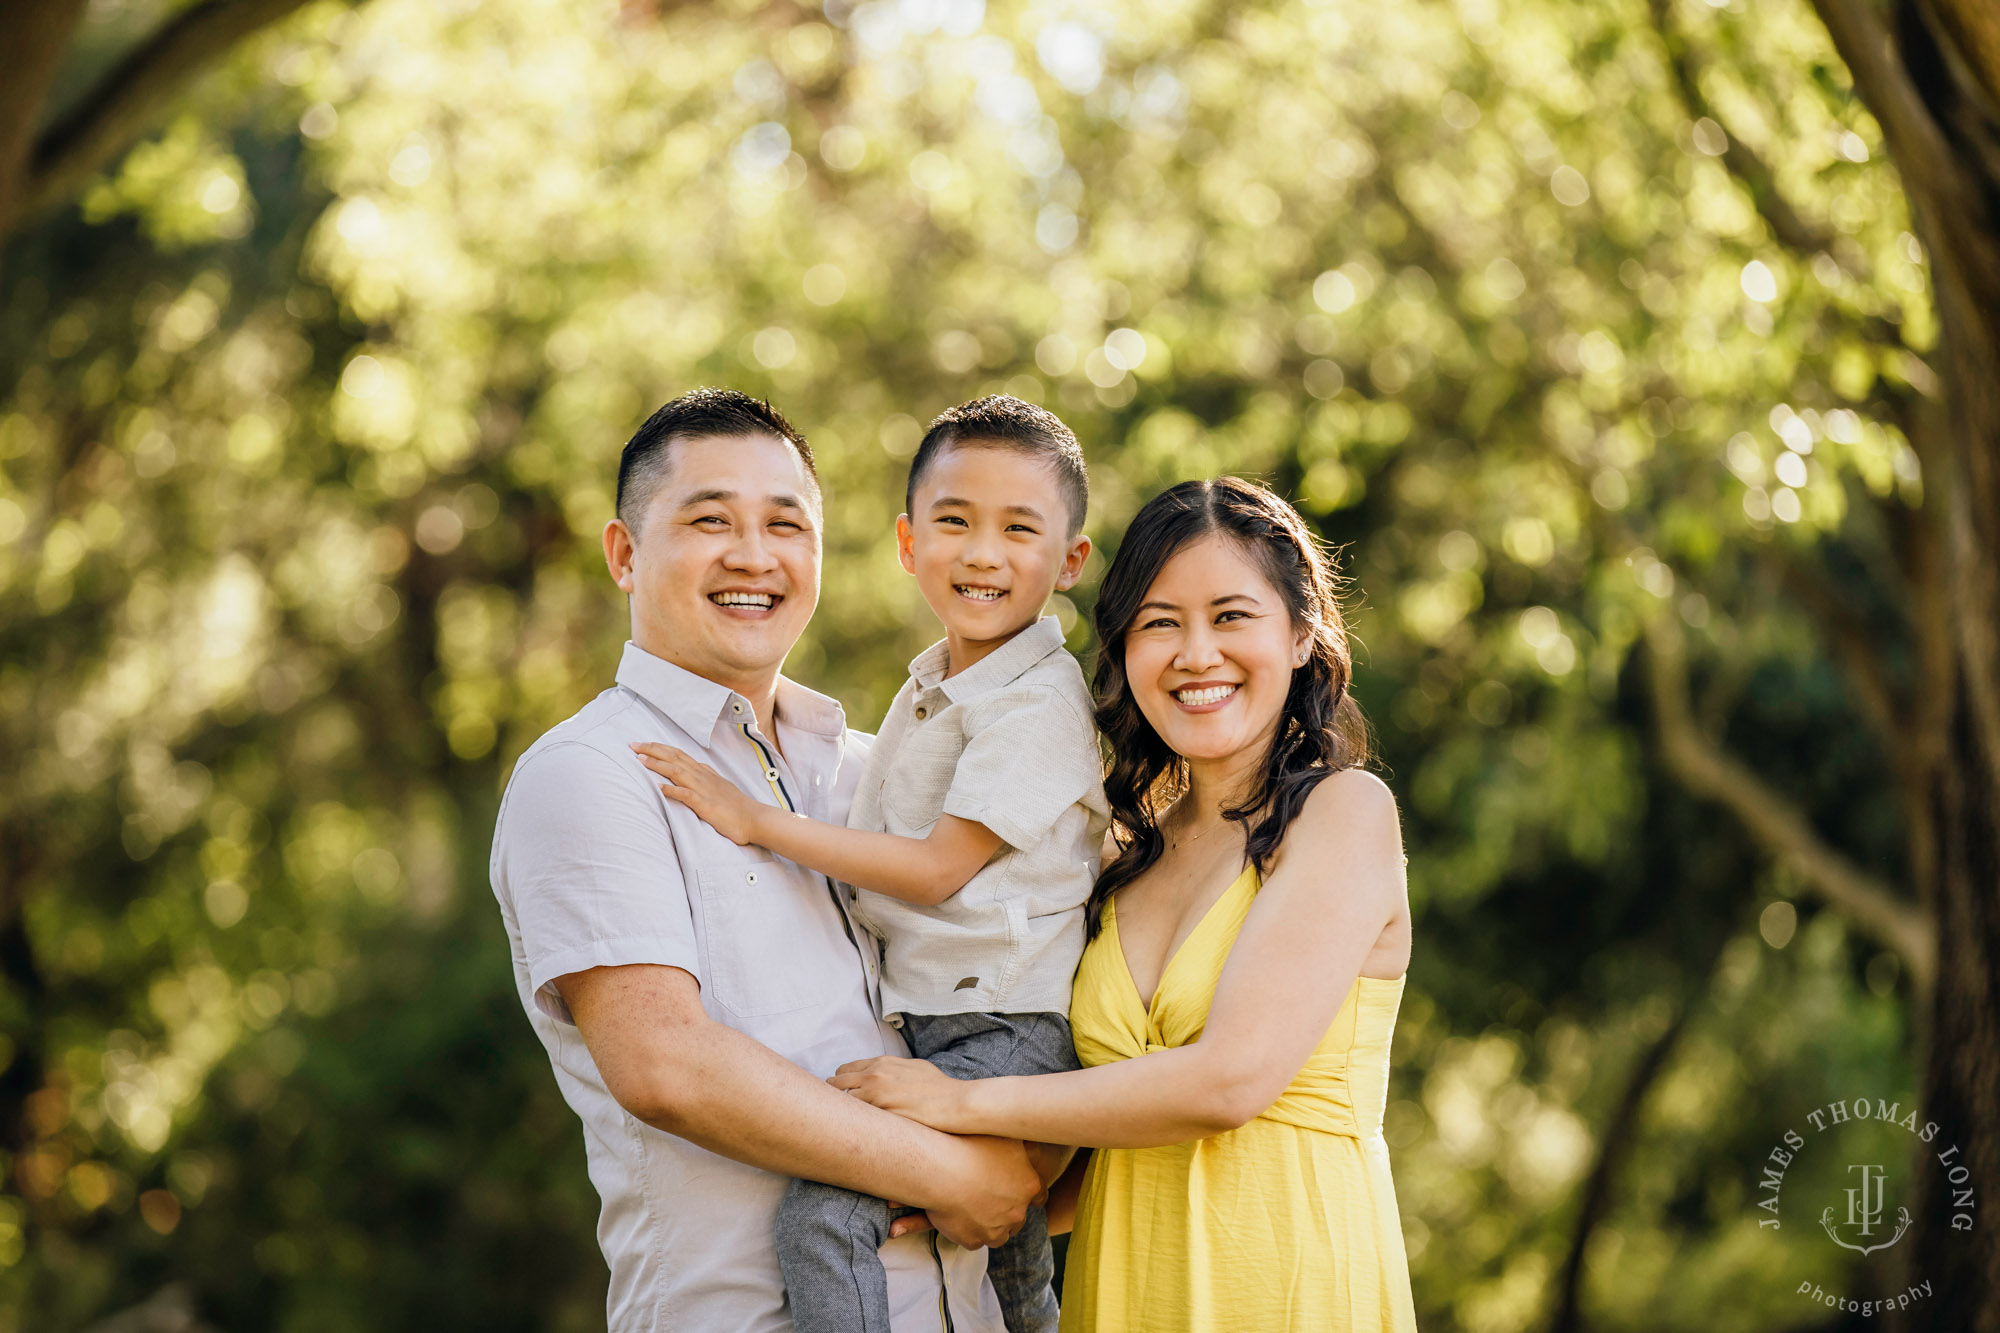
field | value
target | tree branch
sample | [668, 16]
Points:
[1857, 647]
[1708, 771]
[1785, 221]
[1915, 142]
[1620, 1134]
[125, 101]
[37, 36]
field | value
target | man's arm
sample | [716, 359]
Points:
[667, 1063]
[924, 870]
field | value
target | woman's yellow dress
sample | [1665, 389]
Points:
[1288, 1223]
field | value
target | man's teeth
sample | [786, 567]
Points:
[1214, 694]
[980, 594]
[763, 599]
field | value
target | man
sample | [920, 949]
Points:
[693, 994]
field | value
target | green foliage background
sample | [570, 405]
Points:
[309, 419]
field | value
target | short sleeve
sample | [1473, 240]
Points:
[584, 855]
[1029, 755]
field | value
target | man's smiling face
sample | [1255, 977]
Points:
[723, 570]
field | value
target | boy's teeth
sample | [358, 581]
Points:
[1214, 694]
[981, 594]
[741, 599]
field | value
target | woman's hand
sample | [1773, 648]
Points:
[914, 1089]
[717, 801]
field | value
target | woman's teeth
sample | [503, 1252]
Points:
[763, 599]
[979, 594]
[1213, 694]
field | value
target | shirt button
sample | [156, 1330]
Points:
[771, 773]
[736, 708]
[922, 713]
[750, 877]
[852, 893]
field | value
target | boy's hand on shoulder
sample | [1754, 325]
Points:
[717, 801]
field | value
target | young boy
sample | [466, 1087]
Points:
[976, 830]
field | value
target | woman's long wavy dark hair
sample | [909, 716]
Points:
[1321, 730]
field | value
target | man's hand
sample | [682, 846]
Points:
[716, 801]
[1003, 1182]
[1050, 1161]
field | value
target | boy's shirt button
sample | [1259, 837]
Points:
[922, 712]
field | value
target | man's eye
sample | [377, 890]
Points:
[711, 518]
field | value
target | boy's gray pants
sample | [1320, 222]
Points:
[828, 1237]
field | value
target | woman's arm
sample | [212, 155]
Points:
[1300, 949]
[925, 870]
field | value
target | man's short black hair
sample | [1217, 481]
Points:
[723, 413]
[1006, 422]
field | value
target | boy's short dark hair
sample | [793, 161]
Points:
[1005, 422]
[698, 413]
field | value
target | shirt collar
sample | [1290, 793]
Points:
[695, 703]
[809, 710]
[1002, 666]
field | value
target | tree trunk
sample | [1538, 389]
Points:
[1934, 84]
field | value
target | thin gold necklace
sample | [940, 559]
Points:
[1196, 837]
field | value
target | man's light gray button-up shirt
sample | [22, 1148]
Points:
[594, 868]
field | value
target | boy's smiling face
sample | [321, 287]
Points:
[989, 540]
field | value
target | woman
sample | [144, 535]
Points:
[1250, 933]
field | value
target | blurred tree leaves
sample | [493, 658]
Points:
[314, 412]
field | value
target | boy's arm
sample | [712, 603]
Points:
[1065, 1193]
[925, 870]
[667, 1063]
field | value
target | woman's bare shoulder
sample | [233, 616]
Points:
[1351, 815]
[1351, 794]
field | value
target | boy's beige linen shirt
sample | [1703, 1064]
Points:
[594, 868]
[1009, 743]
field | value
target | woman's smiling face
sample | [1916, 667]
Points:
[1209, 656]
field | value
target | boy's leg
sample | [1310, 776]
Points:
[968, 1046]
[828, 1240]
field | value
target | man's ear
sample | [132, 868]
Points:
[619, 552]
[1072, 565]
[906, 550]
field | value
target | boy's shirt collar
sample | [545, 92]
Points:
[1002, 666]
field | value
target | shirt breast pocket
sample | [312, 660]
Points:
[757, 938]
[914, 788]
